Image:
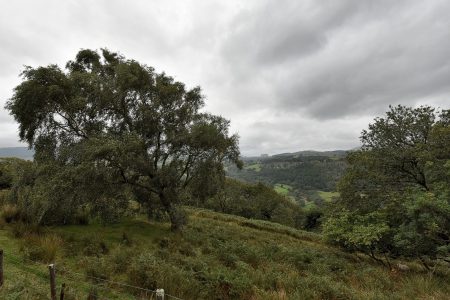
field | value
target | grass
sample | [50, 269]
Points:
[310, 204]
[327, 196]
[217, 256]
[282, 189]
[255, 167]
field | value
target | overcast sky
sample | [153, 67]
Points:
[290, 75]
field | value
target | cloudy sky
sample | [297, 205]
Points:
[290, 75]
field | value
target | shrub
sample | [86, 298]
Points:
[126, 239]
[97, 269]
[43, 248]
[21, 229]
[143, 270]
[4, 196]
[10, 213]
[81, 218]
[93, 246]
[120, 258]
[301, 259]
[228, 259]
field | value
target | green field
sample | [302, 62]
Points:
[254, 167]
[327, 196]
[217, 256]
[282, 189]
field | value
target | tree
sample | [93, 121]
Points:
[395, 192]
[124, 123]
[399, 140]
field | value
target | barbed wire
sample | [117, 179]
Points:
[19, 260]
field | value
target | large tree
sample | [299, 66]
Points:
[395, 194]
[124, 123]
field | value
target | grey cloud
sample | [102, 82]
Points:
[358, 57]
[290, 75]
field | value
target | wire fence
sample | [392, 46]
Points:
[71, 280]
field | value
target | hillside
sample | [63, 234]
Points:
[19, 152]
[218, 256]
[307, 176]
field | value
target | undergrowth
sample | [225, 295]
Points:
[216, 257]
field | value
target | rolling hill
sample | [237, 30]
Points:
[19, 152]
[310, 177]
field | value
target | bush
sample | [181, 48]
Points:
[43, 248]
[143, 270]
[91, 247]
[4, 196]
[21, 229]
[10, 213]
[97, 269]
[120, 258]
[255, 201]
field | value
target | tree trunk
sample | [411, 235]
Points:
[177, 217]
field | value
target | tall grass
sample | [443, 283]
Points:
[225, 257]
[41, 247]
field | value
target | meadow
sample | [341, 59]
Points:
[217, 256]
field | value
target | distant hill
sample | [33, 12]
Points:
[19, 152]
[309, 177]
[334, 153]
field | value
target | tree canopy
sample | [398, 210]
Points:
[119, 123]
[395, 194]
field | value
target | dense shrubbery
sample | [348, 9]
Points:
[395, 195]
[255, 201]
[48, 193]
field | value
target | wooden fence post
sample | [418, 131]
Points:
[1, 267]
[51, 269]
[61, 295]
[160, 294]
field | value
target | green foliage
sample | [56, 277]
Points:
[256, 202]
[395, 193]
[107, 124]
[300, 173]
[356, 232]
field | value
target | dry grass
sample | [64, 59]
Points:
[10, 213]
[41, 247]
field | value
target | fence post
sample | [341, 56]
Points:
[160, 294]
[51, 269]
[61, 295]
[1, 267]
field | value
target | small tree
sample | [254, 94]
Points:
[123, 123]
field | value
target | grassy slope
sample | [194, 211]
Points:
[217, 257]
[255, 167]
[327, 196]
[282, 189]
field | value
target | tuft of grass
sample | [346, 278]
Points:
[10, 213]
[43, 248]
